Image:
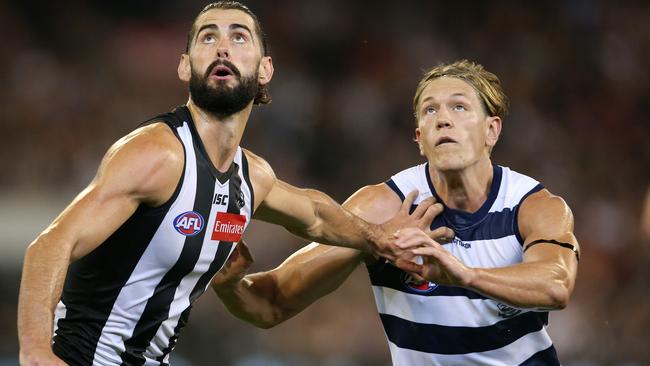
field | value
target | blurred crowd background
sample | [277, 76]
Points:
[77, 75]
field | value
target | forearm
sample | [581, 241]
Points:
[337, 226]
[44, 272]
[527, 285]
[269, 298]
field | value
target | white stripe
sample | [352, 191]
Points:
[489, 253]
[450, 311]
[59, 313]
[513, 354]
[161, 253]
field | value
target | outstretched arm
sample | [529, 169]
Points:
[269, 298]
[543, 280]
[313, 215]
[140, 168]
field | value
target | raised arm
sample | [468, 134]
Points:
[544, 279]
[268, 298]
[143, 167]
[313, 215]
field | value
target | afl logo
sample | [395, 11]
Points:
[419, 287]
[189, 223]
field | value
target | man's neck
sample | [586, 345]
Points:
[220, 135]
[466, 189]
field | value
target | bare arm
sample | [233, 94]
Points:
[313, 215]
[269, 298]
[546, 276]
[143, 167]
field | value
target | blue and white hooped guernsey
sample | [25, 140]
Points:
[429, 324]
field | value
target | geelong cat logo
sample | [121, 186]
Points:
[420, 287]
[189, 223]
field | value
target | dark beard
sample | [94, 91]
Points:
[222, 101]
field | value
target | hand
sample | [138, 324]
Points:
[235, 268]
[437, 265]
[421, 218]
[40, 358]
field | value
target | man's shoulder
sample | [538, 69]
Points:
[374, 203]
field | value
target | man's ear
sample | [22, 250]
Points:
[493, 131]
[184, 68]
[417, 139]
[265, 70]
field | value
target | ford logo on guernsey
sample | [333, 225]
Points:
[189, 223]
[417, 286]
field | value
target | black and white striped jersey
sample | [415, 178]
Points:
[126, 302]
[431, 324]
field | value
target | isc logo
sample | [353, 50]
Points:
[189, 223]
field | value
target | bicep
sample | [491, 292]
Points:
[140, 168]
[546, 225]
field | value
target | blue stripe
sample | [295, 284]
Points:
[393, 186]
[433, 338]
[547, 357]
[386, 275]
[495, 225]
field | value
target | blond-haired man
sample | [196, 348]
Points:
[483, 297]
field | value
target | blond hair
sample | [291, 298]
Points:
[486, 84]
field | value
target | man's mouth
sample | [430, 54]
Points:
[445, 140]
[221, 72]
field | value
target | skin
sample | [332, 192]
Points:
[145, 166]
[461, 172]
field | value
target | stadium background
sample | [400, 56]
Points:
[77, 75]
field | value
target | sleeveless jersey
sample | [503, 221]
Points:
[126, 302]
[430, 324]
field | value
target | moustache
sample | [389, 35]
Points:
[226, 63]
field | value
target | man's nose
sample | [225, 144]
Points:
[223, 49]
[443, 119]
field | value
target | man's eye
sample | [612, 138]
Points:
[430, 110]
[209, 39]
[238, 38]
[460, 107]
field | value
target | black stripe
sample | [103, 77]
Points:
[551, 241]
[433, 338]
[547, 357]
[394, 187]
[537, 188]
[386, 275]
[244, 163]
[157, 309]
[94, 282]
[234, 192]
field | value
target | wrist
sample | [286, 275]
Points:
[471, 278]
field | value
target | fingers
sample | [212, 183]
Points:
[408, 201]
[411, 237]
[432, 211]
[409, 266]
[442, 235]
[434, 252]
